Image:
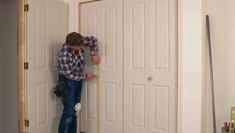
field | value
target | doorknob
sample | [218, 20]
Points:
[150, 78]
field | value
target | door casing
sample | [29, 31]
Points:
[20, 68]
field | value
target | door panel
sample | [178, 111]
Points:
[104, 20]
[159, 34]
[137, 42]
[135, 68]
[163, 55]
[89, 93]
[159, 109]
[150, 66]
[137, 100]
[46, 28]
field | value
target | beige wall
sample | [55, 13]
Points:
[191, 65]
[193, 57]
[223, 41]
[8, 64]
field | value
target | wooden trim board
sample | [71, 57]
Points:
[20, 67]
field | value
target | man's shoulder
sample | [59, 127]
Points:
[64, 51]
[88, 38]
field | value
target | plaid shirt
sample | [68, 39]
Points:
[71, 63]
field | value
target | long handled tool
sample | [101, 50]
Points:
[211, 73]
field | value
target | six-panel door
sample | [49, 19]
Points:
[47, 26]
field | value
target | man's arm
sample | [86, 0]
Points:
[92, 43]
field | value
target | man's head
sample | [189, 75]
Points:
[74, 40]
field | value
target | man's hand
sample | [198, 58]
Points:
[90, 76]
[95, 59]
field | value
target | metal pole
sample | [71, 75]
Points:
[211, 73]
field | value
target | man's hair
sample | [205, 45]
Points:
[74, 39]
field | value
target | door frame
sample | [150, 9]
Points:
[20, 66]
[178, 59]
[184, 108]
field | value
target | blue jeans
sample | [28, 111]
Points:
[68, 122]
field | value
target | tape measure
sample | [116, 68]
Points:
[98, 99]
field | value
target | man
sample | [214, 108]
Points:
[71, 64]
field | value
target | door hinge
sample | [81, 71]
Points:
[26, 7]
[26, 65]
[26, 123]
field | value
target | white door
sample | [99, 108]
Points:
[150, 66]
[104, 20]
[138, 71]
[46, 30]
